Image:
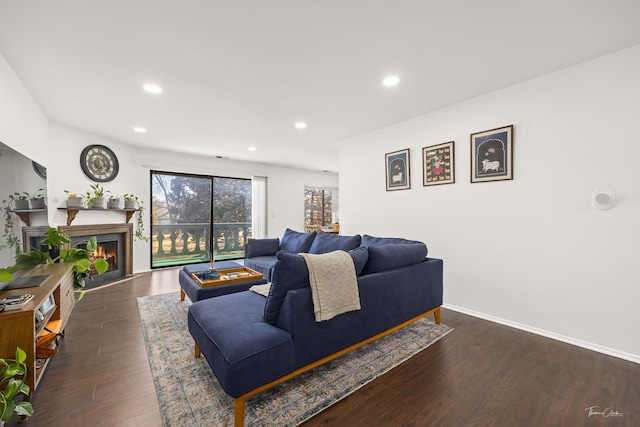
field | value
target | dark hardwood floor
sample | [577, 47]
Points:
[481, 374]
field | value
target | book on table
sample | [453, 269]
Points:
[15, 302]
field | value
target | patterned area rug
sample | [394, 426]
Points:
[190, 395]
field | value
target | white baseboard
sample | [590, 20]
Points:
[569, 340]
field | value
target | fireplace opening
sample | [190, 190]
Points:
[109, 247]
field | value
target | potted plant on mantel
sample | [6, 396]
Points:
[131, 201]
[114, 201]
[12, 385]
[95, 197]
[36, 200]
[74, 200]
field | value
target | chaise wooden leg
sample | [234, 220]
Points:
[197, 350]
[240, 401]
[181, 294]
[436, 315]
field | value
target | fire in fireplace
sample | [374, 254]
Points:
[114, 244]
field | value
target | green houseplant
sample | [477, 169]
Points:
[12, 385]
[131, 201]
[96, 197]
[79, 256]
[74, 200]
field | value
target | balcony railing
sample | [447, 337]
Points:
[177, 244]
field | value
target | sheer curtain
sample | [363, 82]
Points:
[259, 207]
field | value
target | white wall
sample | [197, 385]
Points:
[23, 131]
[285, 185]
[23, 126]
[530, 252]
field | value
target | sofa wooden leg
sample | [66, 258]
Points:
[181, 294]
[436, 315]
[197, 350]
[240, 401]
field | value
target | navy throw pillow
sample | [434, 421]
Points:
[325, 243]
[378, 241]
[290, 272]
[360, 256]
[295, 242]
[262, 247]
[394, 255]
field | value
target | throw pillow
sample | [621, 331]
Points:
[325, 243]
[395, 255]
[378, 241]
[295, 242]
[290, 272]
[262, 247]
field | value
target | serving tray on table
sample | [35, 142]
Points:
[229, 276]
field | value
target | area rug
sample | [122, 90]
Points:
[190, 395]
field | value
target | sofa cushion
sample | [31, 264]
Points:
[261, 264]
[295, 242]
[262, 247]
[360, 256]
[394, 255]
[324, 243]
[291, 272]
[379, 241]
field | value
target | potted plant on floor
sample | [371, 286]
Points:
[12, 385]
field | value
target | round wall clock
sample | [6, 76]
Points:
[99, 163]
[39, 169]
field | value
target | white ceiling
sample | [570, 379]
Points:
[240, 73]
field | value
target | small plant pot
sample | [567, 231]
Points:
[75, 202]
[37, 203]
[99, 203]
[130, 204]
[21, 205]
[113, 204]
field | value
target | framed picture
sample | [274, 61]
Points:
[492, 155]
[438, 164]
[397, 168]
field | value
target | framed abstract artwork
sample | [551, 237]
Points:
[438, 164]
[492, 155]
[397, 170]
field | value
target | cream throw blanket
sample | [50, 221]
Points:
[334, 286]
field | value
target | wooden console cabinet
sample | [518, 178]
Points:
[21, 328]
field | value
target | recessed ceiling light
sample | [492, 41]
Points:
[152, 88]
[300, 125]
[251, 148]
[391, 81]
[139, 129]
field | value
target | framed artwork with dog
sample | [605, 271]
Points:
[397, 170]
[492, 155]
[438, 164]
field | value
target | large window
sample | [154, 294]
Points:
[191, 214]
[320, 208]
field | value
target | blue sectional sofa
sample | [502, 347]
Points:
[260, 254]
[252, 342]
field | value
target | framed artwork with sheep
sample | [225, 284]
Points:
[492, 155]
[397, 168]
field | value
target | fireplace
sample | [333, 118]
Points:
[115, 245]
